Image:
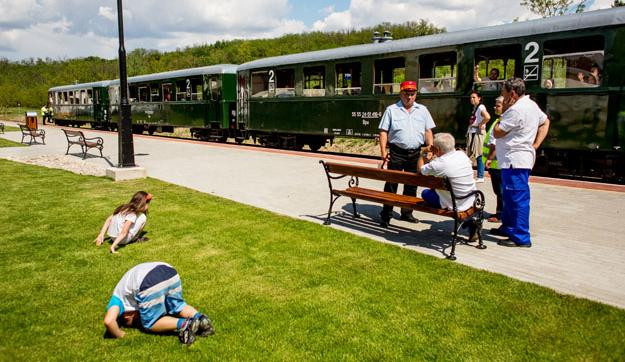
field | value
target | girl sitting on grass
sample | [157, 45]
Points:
[127, 221]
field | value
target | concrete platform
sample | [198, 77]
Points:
[579, 247]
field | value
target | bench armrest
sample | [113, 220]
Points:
[99, 140]
[479, 201]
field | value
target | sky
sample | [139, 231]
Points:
[63, 29]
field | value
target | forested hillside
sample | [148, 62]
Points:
[27, 81]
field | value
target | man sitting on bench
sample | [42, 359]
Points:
[456, 166]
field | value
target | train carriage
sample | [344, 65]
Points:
[573, 65]
[80, 104]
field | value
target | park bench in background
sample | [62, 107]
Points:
[78, 138]
[336, 171]
[33, 134]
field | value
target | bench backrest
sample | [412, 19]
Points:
[373, 173]
[25, 128]
[70, 133]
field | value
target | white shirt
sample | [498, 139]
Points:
[118, 221]
[406, 128]
[521, 122]
[456, 166]
[129, 285]
[478, 118]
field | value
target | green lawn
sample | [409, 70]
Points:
[276, 288]
[7, 143]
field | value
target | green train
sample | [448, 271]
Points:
[573, 65]
[202, 99]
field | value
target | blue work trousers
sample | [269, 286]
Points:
[515, 217]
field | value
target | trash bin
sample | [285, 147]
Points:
[31, 120]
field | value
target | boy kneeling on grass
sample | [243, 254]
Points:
[153, 293]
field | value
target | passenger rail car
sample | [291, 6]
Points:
[573, 65]
[202, 99]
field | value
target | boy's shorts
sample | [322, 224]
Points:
[160, 294]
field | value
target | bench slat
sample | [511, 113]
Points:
[401, 177]
[407, 202]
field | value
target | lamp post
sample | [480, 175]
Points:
[126, 153]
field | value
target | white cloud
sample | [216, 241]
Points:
[107, 13]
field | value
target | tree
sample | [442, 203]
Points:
[547, 8]
[618, 3]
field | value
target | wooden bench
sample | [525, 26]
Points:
[78, 138]
[2, 127]
[33, 133]
[474, 215]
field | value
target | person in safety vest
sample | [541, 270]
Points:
[490, 161]
[47, 112]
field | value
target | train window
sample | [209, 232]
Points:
[388, 74]
[196, 88]
[285, 83]
[133, 93]
[494, 65]
[314, 81]
[573, 63]
[437, 73]
[155, 93]
[348, 79]
[72, 100]
[83, 97]
[215, 88]
[260, 84]
[89, 96]
[65, 98]
[181, 90]
[144, 94]
[167, 92]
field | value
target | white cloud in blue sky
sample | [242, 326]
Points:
[79, 28]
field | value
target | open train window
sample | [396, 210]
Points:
[437, 73]
[388, 74]
[260, 84]
[133, 93]
[155, 93]
[285, 83]
[214, 86]
[315, 81]
[181, 90]
[348, 79]
[167, 90]
[573, 63]
[72, 100]
[65, 98]
[197, 84]
[144, 94]
[493, 65]
[89, 96]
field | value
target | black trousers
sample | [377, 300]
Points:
[495, 179]
[48, 117]
[401, 160]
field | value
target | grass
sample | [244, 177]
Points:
[276, 288]
[8, 143]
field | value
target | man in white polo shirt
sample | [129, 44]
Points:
[405, 127]
[521, 130]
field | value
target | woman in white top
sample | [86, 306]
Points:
[127, 221]
[476, 131]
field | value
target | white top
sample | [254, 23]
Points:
[406, 128]
[521, 122]
[129, 285]
[456, 166]
[478, 118]
[117, 224]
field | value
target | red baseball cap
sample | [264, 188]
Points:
[408, 85]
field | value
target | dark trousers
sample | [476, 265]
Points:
[495, 180]
[48, 117]
[400, 160]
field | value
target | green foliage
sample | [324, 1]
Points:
[547, 8]
[28, 81]
[618, 3]
[276, 288]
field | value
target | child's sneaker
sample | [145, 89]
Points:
[186, 335]
[206, 327]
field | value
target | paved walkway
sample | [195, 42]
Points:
[579, 247]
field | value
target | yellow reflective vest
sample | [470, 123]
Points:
[486, 149]
[47, 111]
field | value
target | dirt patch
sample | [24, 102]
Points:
[65, 162]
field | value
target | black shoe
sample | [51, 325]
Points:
[498, 232]
[473, 238]
[187, 334]
[512, 244]
[409, 218]
[385, 221]
[206, 327]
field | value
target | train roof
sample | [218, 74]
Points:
[63, 88]
[211, 69]
[591, 19]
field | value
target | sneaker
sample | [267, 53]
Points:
[479, 180]
[206, 327]
[187, 334]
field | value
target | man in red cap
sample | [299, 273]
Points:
[406, 126]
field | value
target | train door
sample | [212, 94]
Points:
[100, 106]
